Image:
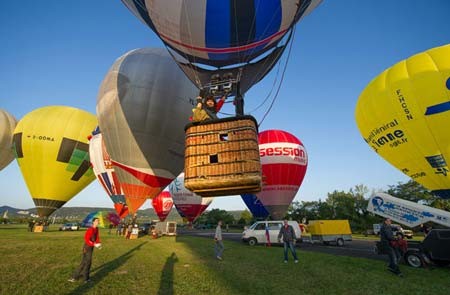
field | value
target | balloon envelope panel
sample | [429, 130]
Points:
[284, 161]
[255, 206]
[52, 150]
[143, 105]
[220, 33]
[404, 114]
[104, 171]
[7, 125]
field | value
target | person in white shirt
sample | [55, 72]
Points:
[218, 247]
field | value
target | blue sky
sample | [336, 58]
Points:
[58, 52]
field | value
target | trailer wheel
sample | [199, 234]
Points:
[413, 259]
[252, 241]
[340, 242]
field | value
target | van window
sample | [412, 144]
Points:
[260, 226]
[274, 226]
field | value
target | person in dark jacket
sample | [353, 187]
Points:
[289, 240]
[91, 240]
[386, 239]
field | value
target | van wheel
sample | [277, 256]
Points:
[340, 242]
[413, 259]
[252, 241]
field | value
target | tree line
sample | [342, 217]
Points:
[351, 205]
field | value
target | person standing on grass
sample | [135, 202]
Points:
[91, 240]
[289, 240]
[218, 247]
[386, 239]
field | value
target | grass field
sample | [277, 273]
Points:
[41, 263]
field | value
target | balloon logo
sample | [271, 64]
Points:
[7, 125]
[162, 204]
[404, 114]
[52, 150]
[142, 107]
[284, 162]
[188, 204]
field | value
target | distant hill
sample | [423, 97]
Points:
[79, 213]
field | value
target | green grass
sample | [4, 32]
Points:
[41, 263]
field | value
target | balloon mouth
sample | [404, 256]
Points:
[46, 207]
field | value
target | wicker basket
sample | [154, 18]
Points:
[222, 157]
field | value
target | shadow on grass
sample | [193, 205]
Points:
[166, 281]
[103, 270]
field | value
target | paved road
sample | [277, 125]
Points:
[355, 248]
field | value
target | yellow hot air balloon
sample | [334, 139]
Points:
[52, 149]
[7, 125]
[404, 115]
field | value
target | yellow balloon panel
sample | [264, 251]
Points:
[52, 150]
[404, 115]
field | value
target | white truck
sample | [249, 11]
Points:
[395, 229]
[166, 228]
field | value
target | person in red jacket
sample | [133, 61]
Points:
[91, 240]
[400, 246]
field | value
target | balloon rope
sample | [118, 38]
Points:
[281, 81]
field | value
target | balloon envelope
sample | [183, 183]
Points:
[404, 114]
[87, 221]
[162, 204]
[52, 150]
[104, 171]
[284, 162]
[255, 206]
[220, 33]
[142, 107]
[189, 204]
[7, 125]
[220, 38]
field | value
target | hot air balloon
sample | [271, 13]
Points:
[404, 114]
[284, 162]
[142, 107]
[52, 150]
[189, 204]
[102, 218]
[236, 42]
[104, 171]
[255, 206]
[162, 204]
[7, 125]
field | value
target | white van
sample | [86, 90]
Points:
[256, 233]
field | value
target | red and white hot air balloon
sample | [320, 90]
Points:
[284, 162]
[188, 204]
[162, 204]
[104, 171]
